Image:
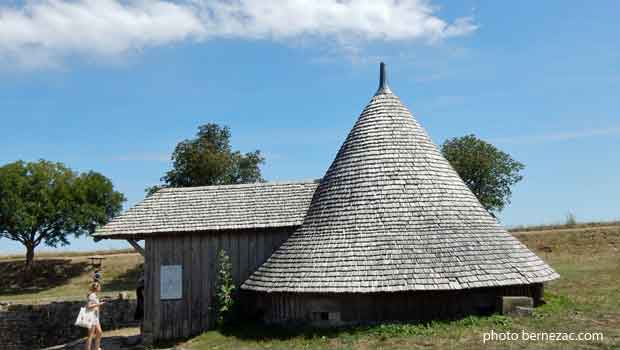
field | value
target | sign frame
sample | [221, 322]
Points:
[171, 282]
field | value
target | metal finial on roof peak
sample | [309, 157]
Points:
[383, 85]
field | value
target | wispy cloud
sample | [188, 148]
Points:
[559, 136]
[40, 33]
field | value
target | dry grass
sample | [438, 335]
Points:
[564, 226]
[66, 277]
[65, 254]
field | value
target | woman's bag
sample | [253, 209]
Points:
[85, 318]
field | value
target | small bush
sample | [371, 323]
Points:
[224, 296]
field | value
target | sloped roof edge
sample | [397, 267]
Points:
[214, 208]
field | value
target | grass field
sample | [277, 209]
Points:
[556, 227]
[66, 277]
[585, 299]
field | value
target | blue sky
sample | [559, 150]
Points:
[541, 80]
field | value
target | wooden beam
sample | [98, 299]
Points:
[136, 246]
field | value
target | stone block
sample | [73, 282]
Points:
[508, 304]
[524, 311]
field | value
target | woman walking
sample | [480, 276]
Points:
[93, 305]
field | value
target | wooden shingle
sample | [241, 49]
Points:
[214, 208]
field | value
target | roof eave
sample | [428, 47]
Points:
[144, 235]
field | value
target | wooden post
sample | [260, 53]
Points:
[136, 246]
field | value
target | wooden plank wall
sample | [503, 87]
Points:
[197, 253]
[420, 306]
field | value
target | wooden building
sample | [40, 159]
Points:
[183, 230]
[390, 233]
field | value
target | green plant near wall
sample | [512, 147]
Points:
[224, 296]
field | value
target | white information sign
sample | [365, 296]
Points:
[171, 282]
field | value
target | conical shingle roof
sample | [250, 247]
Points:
[391, 214]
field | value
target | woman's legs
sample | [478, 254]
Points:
[98, 334]
[89, 338]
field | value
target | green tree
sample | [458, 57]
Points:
[44, 202]
[209, 160]
[487, 171]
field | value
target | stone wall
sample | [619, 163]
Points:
[29, 327]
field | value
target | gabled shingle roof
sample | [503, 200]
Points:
[207, 208]
[392, 215]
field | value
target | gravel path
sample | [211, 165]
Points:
[120, 339]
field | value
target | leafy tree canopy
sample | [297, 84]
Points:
[209, 160]
[44, 202]
[487, 171]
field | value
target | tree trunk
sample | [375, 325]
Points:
[29, 257]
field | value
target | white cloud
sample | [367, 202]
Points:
[368, 19]
[42, 32]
